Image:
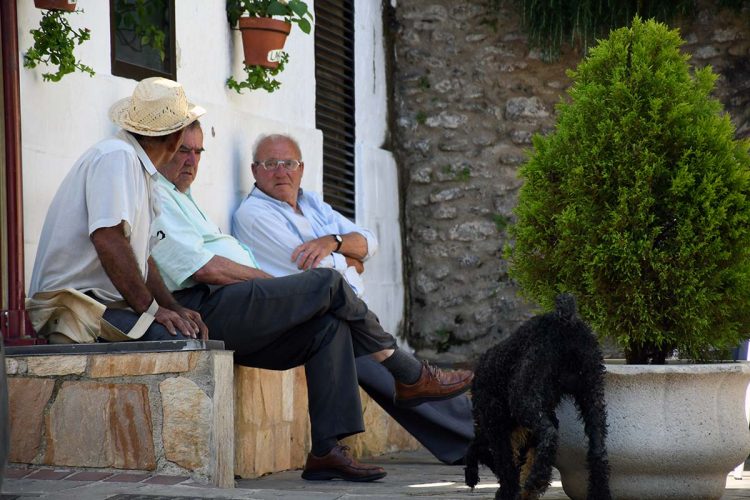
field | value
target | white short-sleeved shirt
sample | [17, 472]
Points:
[110, 183]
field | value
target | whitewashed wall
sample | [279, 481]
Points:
[376, 174]
[61, 120]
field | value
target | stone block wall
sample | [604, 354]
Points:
[164, 412]
[182, 413]
[468, 96]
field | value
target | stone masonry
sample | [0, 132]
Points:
[186, 413]
[468, 96]
[168, 412]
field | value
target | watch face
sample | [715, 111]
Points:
[338, 238]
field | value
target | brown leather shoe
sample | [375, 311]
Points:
[433, 385]
[339, 464]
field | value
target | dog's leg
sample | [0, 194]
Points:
[544, 431]
[594, 416]
[505, 467]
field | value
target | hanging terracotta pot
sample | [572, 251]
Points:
[262, 39]
[69, 5]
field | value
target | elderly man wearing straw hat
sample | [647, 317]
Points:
[93, 277]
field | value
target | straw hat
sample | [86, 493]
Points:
[158, 107]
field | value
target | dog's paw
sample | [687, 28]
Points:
[471, 477]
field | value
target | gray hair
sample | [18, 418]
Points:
[274, 137]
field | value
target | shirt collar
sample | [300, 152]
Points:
[257, 192]
[145, 160]
[168, 184]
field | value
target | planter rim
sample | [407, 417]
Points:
[623, 369]
[254, 22]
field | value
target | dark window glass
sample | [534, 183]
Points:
[334, 95]
[142, 37]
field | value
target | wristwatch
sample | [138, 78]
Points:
[339, 241]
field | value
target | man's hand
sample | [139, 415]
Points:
[356, 264]
[184, 320]
[309, 254]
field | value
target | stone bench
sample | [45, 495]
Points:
[175, 407]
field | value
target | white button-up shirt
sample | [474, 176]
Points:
[272, 229]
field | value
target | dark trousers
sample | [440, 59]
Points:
[313, 318]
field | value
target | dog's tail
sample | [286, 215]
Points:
[565, 306]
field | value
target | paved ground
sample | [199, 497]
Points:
[410, 475]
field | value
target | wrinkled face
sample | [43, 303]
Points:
[183, 167]
[279, 183]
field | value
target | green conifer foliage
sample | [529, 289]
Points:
[639, 202]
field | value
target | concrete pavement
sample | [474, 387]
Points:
[410, 475]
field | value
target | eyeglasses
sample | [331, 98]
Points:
[273, 164]
[186, 150]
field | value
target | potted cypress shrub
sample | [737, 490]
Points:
[263, 38]
[638, 203]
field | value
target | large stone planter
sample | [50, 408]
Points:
[675, 431]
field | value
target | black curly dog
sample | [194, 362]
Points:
[517, 386]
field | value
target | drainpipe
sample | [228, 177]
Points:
[14, 322]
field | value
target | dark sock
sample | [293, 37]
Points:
[322, 448]
[404, 367]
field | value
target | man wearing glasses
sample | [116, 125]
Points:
[290, 230]
[312, 319]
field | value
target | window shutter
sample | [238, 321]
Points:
[334, 90]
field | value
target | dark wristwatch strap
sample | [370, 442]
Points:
[339, 241]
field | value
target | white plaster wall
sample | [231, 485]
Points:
[376, 171]
[61, 120]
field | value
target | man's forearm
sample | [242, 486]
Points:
[156, 285]
[121, 266]
[222, 271]
[354, 245]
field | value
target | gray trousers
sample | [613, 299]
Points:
[312, 319]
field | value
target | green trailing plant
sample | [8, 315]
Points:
[291, 11]
[639, 202]
[551, 23]
[54, 44]
[259, 77]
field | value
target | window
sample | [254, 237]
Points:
[142, 38]
[334, 90]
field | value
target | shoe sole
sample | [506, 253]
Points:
[410, 403]
[325, 475]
